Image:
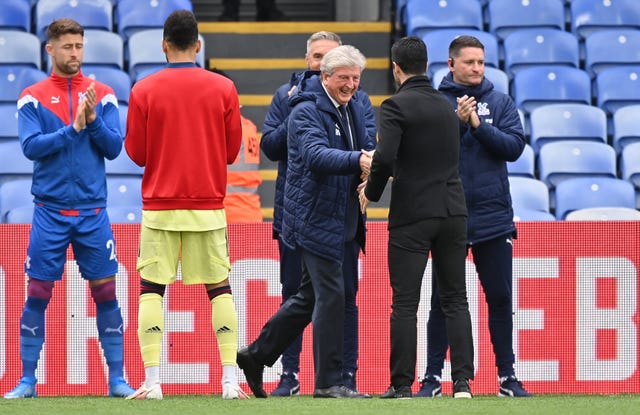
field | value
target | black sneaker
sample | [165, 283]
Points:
[511, 387]
[288, 386]
[430, 387]
[461, 389]
[401, 392]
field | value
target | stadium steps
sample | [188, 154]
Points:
[260, 56]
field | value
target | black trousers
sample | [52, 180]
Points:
[409, 248]
[320, 299]
[494, 264]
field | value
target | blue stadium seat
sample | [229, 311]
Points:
[603, 213]
[528, 194]
[530, 47]
[567, 122]
[507, 16]
[13, 194]
[124, 191]
[14, 79]
[525, 165]
[542, 85]
[19, 49]
[561, 160]
[498, 78]
[528, 215]
[124, 214]
[123, 166]
[438, 41]
[8, 121]
[617, 87]
[91, 14]
[588, 16]
[135, 15]
[13, 163]
[609, 48]
[124, 109]
[625, 127]
[144, 50]
[630, 164]
[22, 214]
[16, 15]
[586, 192]
[117, 79]
[424, 16]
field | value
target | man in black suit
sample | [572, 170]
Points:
[419, 146]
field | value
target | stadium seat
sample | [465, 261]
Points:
[528, 215]
[438, 41]
[567, 122]
[507, 16]
[424, 16]
[117, 79]
[586, 192]
[19, 49]
[124, 109]
[609, 48]
[524, 166]
[101, 48]
[588, 16]
[124, 191]
[625, 126]
[123, 166]
[144, 50]
[22, 214]
[617, 87]
[530, 47]
[630, 164]
[16, 15]
[14, 79]
[498, 78]
[135, 15]
[528, 194]
[13, 194]
[604, 213]
[561, 160]
[542, 85]
[13, 163]
[124, 214]
[8, 121]
[91, 14]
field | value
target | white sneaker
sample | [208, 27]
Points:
[154, 392]
[230, 391]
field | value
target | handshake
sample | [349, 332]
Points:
[365, 165]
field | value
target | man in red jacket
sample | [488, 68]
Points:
[184, 126]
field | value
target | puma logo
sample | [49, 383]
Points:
[31, 330]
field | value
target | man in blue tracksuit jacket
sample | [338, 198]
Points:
[68, 125]
[490, 135]
[274, 146]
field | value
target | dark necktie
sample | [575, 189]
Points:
[345, 117]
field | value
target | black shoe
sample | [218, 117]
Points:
[402, 392]
[461, 389]
[339, 392]
[252, 371]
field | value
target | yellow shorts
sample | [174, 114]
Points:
[204, 256]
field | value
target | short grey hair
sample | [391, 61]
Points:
[322, 35]
[340, 57]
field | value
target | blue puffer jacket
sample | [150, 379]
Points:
[274, 137]
[322, 172]
[483, 156]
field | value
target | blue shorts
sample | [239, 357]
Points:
[89, 234]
